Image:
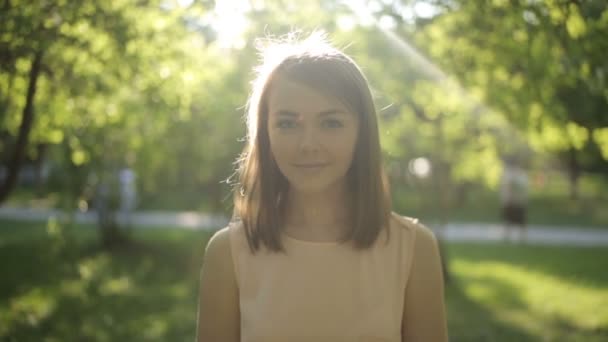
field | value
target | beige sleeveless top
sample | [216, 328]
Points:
[324, 291]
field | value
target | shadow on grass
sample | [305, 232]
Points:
[26, 266]
[469, 320]
[535, 292]
[144, 292]
[569, 332]
[586, 265]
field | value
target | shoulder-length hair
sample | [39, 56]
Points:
[260, 195]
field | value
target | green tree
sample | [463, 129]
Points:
[102, 79]
[539, 64]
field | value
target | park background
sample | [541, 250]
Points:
[88, 88]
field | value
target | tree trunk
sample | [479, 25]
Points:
[15, 162]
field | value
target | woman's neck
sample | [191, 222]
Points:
[318, 215]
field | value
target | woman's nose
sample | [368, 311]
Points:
[309, 140]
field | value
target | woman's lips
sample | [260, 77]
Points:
[310, 165]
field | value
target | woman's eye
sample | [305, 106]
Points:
[284, 124]
[332, 123]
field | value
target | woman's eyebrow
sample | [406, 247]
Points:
[289, 113]
[283, 112]
[330, 112]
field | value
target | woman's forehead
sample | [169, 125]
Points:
[287, 95]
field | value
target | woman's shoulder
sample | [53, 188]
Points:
[221, 250]
[224, 237]
[218, 245]
[412, 226]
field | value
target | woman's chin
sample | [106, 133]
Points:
[316, 187]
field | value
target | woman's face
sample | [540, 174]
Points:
[312, 136]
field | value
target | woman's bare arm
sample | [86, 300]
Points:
[424, 311]
[218, 308]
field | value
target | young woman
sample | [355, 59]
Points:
[314, 252]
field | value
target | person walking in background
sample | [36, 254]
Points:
[314, 252]
[128, 194]
[514, 199]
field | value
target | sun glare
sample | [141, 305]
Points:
[229, 21]
[184, 3]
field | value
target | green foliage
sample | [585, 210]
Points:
[156, 85]
[537, 63]
[124, 83]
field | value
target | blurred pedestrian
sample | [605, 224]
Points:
[128, 194]
[514, 200]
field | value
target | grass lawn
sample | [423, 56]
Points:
[549, 204]
[542, 209]
[504, 292]
[60, 286]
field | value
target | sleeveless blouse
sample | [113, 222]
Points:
[324, 291]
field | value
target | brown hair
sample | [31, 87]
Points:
[260, 195]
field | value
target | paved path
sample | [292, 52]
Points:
[479, 232]
[185, 219]
[536, 234]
